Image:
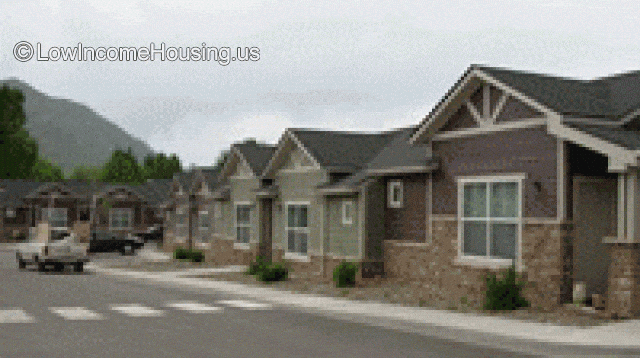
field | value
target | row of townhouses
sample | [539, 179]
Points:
[73, 204]
[509, 168]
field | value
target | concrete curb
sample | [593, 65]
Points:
[619, 335]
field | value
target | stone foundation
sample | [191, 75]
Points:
[433, 268]
[223, 252]
[623, 297]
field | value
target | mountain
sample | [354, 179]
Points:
[70, 133]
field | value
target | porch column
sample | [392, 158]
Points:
[623, 296]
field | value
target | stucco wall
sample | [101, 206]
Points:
[299, 187]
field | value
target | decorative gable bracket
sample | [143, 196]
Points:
[486, 117]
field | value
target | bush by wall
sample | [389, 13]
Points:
[257, 266]
[274, 272]
[506, 293]
[186, 254]
[344, 275]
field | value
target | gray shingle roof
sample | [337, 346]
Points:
[399, 154]
[15, 190]
[627, 138]
[342, 151]
[257, 155]
[155, 191]
[609, 97]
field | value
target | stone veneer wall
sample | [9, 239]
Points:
[443, 282]
[223, 252]
[623, 296]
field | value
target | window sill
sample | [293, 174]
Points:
[241, 246]
[483, 262]
[203, 245]
[296, 257]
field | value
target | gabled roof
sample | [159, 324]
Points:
[626, 138]
[400, 156]
[605, 98]
[340, 151]
[257, 155]
[84, 188]
[185, 179]
[16, 190]
[155, 191]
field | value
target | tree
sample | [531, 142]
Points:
[44, 170]
[82, 172]
[19, 150]
[123, 168]
[160, 166]
[222, 157]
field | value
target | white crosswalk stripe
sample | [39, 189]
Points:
[245, 304]
[18, 315]
[76, 313]
[136, 310]
[15, 315]
[194, 307]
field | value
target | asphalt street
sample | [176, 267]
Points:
[94, 315]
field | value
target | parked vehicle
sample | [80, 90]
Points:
[106, 241]
[57, 249]
[152, 234]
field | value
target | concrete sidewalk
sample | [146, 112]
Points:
[621, 335]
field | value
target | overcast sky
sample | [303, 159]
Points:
[362, 65]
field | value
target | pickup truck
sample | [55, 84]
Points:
[58, 250]
[105, 241]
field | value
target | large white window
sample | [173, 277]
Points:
[243, 223]
[490, 217]
[120, 218]
[297, 228]
[57, 217]
[394, 194]
[347, 212]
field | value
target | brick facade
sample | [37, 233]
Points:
[444, 282]
[623, 296]
[223, 252]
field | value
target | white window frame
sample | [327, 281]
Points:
[201, 214]
[129, 213]
[217, 210]
[46, 213]
[391, 186]
[236, 225]
[488, 261]
[347, 220]
[10, 212]
[304, 230]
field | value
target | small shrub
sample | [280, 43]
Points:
[274, 272]
[195, 255]
[344, 275]
[257, 266]
[190, 255]
[506, 293]
[180, 253]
